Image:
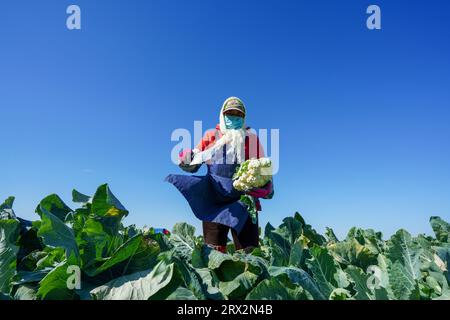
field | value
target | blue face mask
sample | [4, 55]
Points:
[233, 122]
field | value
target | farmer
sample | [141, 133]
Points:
[212, 198]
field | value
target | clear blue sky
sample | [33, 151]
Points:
[364, 116]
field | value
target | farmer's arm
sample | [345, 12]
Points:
[187, 155]
[256, 150]
[207, 141]
[254, 147]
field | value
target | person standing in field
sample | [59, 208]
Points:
[212, 197]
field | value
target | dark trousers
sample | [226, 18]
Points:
[216, 234]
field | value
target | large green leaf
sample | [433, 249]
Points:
[132, 249]
[54, 286]
[384, 265]
[183, 239]
[25, 292]
[105, 204]
[239, 286]
[137, 286]
[273, 289]
[182, 294]
[6, 210]
[210, 283]
[9, 233]
[323, 268]
[361, 280]
[341, 294]
[279, 243]
[224, 265]
[55, 206]
[78, 197]
[56, 233]
[39, 260]
[402, 283]
[351, 252]
[299, 252]
[441, 228]
[404, 250]
[331, 236]
[28, 242]
[191, 278]
[237, 273]
[94, 242]
[309, 232]
[299, 277]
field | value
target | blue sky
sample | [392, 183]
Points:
[363, 115]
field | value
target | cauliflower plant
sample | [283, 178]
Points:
[253, 173]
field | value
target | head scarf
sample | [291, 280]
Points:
[233, 139]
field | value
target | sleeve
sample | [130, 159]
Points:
[208, 139]
[256, 150]
[254, 147]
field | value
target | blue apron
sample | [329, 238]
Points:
[212, 197]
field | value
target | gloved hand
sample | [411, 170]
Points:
[263, 192]
[185, 157]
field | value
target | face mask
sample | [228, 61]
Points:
[233, 122]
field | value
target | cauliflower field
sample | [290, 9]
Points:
[87, 253]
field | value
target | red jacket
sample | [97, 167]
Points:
[253, 148]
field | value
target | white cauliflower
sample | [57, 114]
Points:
[253, 173]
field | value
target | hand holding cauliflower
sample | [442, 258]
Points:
[253, 173]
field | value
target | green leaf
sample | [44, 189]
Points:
[137, 286]
[30, 277]
[94, 242]
[57, 234]
[54, 286]
[55, 206]
[360, 280]
[239, 286]
[39, 260]
[9, 233]
[404, 250]
[191, 279]
[105, 204]
[385, 264]
[441, 228]
[28, 243]
[183, 239]
[273, 289]
[351, 252]
[182, 294]
[125, 252]
[78, 197]
[309, 232]
[330, 235]
[299, 277]
[323, 269]
[210, 282]
[6, 211]
[224, 266]
[25, 292]
[7, 204]
[341, 294]
[290, 230]
[299, 252]
[404, 286]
